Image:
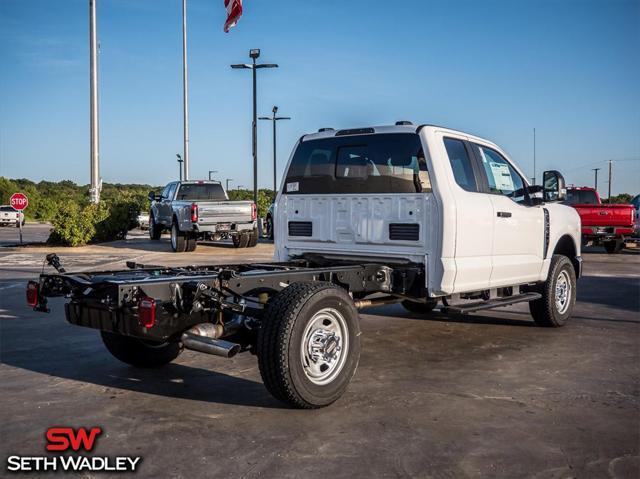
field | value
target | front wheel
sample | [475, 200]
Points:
[309, 344]
[155, 230]
[138, 352]
[558, 294]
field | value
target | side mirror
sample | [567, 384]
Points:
[152, 196]
[554, 188]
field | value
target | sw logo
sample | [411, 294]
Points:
[74, 442]
[65, 438]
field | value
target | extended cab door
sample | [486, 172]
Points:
[518, 227]
[472, 217]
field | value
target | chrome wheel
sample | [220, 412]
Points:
[325, 346]
[563, 292]
[174, 237]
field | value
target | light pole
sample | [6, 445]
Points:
[185, 92]
[595, 170]
[254, 54]
[240, 186]
[274, 119]
[227, 181]
[610, 171]
[212, 171]
[180, 160]
[94, 190]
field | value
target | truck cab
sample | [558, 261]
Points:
[429, 195]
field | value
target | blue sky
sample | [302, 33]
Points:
[494, 68]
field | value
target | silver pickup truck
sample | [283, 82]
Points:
[198, 210]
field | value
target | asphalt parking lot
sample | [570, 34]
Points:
[483, 395]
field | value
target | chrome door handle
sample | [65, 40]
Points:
[504, 214]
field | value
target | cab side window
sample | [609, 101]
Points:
[502, 178]
[460, 164]
[170, 190]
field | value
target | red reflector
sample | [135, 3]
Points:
[254, 212]
[194, 213]
[147, 312]
[32, 293]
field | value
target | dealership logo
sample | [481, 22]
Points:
[74, 442]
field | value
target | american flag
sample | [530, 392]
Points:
[234, 12]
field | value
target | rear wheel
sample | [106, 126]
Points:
[558, 294]
[178, 239]
[154, 229]
[309, 344]
[253, 238]
[192, 243]
[138, 352]
[420, 308]
[613, 247]
[241, 240]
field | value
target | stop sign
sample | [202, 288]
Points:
[19, 201]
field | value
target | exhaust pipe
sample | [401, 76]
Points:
[203, 344]
[373, 302]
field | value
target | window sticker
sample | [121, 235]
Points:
[293, 187]
[501, 176]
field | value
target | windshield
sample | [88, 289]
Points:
[382, 163]
[581, 197]
[201, 192]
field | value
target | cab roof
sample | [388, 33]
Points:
[402, 127]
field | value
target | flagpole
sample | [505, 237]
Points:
[185, 92]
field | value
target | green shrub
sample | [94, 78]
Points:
[74, 225]
[122, 217]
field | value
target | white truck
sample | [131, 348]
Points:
[196, 210]
[419, 215]
[10, 216]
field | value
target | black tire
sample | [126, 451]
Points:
[192, 243]
[286, 324]
[155, 230]
[178, 239]
[613, 247]
[420, 308]
[546, 311]
[253, 238]
[140, 353]
[269, 223]
[240, 240]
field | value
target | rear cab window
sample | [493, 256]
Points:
[201, 192]
[377, 163]
[461, 164]
[581, 197]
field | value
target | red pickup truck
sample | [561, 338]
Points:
[608, 225]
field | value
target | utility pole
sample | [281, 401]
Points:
[534, 156]
[185, 92]
[610, 168]
[94, 190]
[595, 170]
[227, 182]
[254, 54]
[274, 119]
